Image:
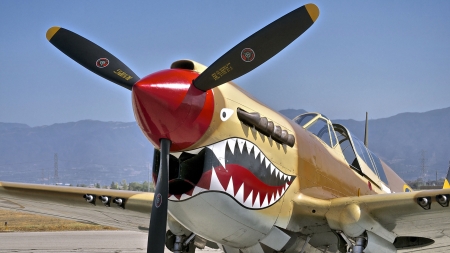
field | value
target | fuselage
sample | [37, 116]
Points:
[230, 181]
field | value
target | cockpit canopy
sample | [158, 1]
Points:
[357, 155]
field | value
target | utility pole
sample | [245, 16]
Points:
[148, 184]
[56, 177]
[423, 164]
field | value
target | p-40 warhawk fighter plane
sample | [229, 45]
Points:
[232, 173]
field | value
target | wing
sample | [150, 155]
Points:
[132, 211]
[413, 220]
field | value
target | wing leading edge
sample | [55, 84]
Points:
[396, 218]
[71, 203]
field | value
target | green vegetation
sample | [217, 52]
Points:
[123, 185]
[420, 184]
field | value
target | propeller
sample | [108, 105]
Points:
[91, 56]
[258, 48]
[157, 229]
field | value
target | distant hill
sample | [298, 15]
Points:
[292, 113]
[400, 140]
[101, 152]
[88, 152]
[9, 126]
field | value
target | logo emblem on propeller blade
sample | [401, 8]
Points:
[158, 200]
[102, 62]
[247, 54]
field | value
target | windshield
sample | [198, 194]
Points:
[319, 125]
[369, 158]
[304, 118]
[320, 129]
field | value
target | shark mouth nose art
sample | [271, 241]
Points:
[233, 166]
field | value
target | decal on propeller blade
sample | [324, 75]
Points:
[102, 62]
[248, 54]
[158, 200]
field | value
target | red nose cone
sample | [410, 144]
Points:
[167, 105]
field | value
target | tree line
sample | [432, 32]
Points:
[123, 185]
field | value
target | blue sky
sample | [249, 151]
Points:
[377, 56]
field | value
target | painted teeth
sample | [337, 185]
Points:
[267, 163]
[261, 157]
[241, 144]
[272, 200]
[197, 190]
[257, 204]
[265, 202]
[219, 150]
[230, 188]
[240, 194]
[269, 199]
[176, 154]
[256, 150]
[232, 144]
[215, 183]
[251, 201]
[194, 152]
[248, 201]
[249, 146]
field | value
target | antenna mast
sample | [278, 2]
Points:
[366, 132]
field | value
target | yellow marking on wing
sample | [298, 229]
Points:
[140, 202]
[446, 184]
[51, 32]
[313, 11]
[406, 187]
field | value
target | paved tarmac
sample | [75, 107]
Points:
[78, 241]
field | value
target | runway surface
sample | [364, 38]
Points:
[78, 241]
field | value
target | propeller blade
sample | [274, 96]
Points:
[158, 220]
[92, 57]
[258, 48]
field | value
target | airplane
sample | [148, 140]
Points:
[233, 174]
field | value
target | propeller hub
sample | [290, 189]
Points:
[167, 105]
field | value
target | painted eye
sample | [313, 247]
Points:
[225, 114]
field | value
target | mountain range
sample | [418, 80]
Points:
[89, 151]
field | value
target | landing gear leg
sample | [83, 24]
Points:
[359, 245]
[178, 244]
